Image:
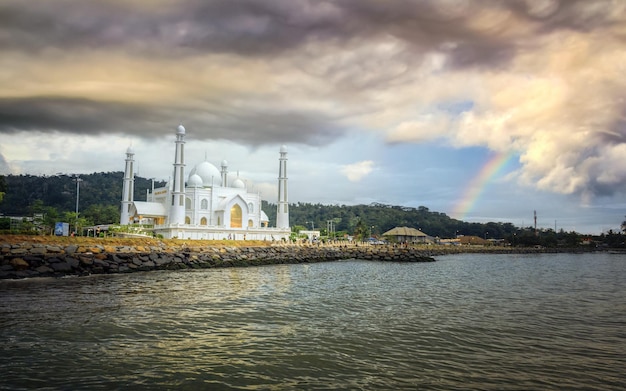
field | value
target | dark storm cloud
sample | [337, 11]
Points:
[154, 30]
[264, 28]
[73, 115]
[257, 128]
[89, 117]
[242, 27]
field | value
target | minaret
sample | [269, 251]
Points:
[177, 209]
[224, 173]
[127, 189]
[282, 212]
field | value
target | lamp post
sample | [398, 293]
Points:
[331, 228]
[78, 181]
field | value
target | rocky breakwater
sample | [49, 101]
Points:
[25, 260]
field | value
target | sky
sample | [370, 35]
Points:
[482, 110]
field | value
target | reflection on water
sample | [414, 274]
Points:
[466, 321]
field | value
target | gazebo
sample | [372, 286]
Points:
[406, 235]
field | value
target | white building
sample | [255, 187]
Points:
[210, 205]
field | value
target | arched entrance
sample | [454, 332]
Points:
[235, 216]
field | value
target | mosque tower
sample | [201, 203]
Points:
[177, 209]
[129, 185]
[282, 212]
[224, 173]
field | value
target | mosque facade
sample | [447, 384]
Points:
[208, 205]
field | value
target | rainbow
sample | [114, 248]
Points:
[475, 187]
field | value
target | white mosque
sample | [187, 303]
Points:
[209, 206]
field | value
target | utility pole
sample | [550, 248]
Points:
[78, 181]
[330, 228]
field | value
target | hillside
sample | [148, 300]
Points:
[100, 194]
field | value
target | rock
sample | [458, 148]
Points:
[19, 264]
[61, 267]
[74, 263]
[43, 269]
[101, 263]
[38, 250]
[54, 249]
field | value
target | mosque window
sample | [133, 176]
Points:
[204, 204]
[203, 221]
[235, 216]
[219, 221]
[187, 220]
[187, 203]
[250, 207]
[250, 224]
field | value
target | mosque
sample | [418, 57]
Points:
[209, 206]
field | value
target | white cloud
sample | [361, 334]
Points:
[357, 171]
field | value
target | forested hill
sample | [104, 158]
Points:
[27, 194]
[100, 195]
[376, 219]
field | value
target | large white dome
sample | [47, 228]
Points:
[209, 174]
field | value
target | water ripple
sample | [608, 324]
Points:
[465, 322]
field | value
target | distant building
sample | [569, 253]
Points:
[209, 205]
[311, 235]
[407, 235]
[473, 240]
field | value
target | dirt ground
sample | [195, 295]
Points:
[114, 241]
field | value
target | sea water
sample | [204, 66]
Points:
[469, 321]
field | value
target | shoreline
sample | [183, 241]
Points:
[41, 256]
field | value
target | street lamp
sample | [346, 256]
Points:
[331, 228]
[78, 181]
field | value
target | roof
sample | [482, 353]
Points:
[149, 208]
[404, 231]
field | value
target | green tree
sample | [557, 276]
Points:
[76, 224]
[361, 230]
[3, 187]
[624, 226]
[102, 214]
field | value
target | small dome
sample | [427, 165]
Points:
[209, 174]
[283, 149]
[194, 181]
[224, 163]
[238, 184]
[130, 151]
[180, 129]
